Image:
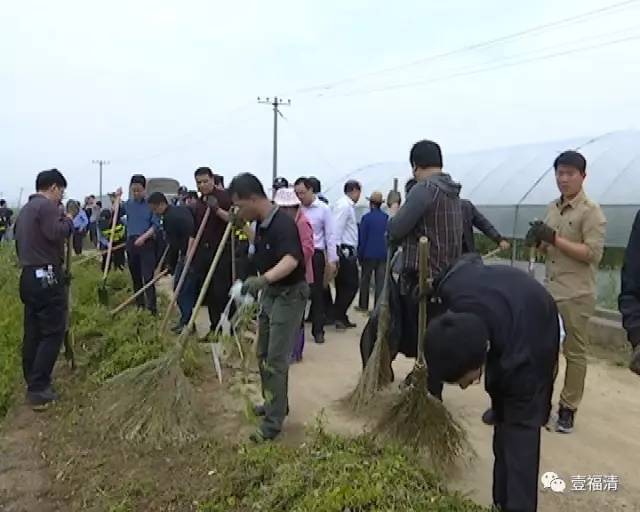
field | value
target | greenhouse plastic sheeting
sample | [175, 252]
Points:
[513, 186]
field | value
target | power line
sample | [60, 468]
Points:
[476, 46]
[488, 68]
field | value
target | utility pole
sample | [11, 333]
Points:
[101, 163]
[276, 103]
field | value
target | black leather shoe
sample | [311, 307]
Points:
[489, 417]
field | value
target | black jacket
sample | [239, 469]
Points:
[178, 224]
[629, 300]
[471, 218]
[524, 334]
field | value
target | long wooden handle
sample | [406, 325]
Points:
[162, 260]
[100, 253]
[114, 221]
[423, 273]
[491, 254]
[187, 264]
[203, 291]
[139, 292]
[532, 261]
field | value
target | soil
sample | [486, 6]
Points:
[606, 440]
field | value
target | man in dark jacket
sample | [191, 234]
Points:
[178, 225]
[432, 209]
[504, 319]
[372, 249]
[5, 219]
[41, 230]
[472, 218]
[629, 300]
[213, 196]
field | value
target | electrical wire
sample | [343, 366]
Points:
[484, 69]
[476, 46]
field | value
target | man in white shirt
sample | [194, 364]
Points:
[325, 257]
[347, 280]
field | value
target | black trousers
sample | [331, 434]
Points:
[318, 306]
[218, 292]
[516, 449]
[142, 264]
[45, 312]
[78, 240]
[375, 267]
[347, 282]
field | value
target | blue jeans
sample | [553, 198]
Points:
[187, 296]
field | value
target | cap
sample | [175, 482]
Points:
[286, 197]
[280, 182]
[376, 197]
[182, 189]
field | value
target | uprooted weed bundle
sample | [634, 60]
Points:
[329, 473]
[422, 423]
[377, 371]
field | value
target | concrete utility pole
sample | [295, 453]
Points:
[275, 103]
[101, 163]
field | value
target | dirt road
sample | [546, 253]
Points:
[606, 440]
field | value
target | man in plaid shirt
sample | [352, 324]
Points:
[432, 209]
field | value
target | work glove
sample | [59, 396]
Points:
[540, 232]
[254, 284]
[212, 201]
[634, 365]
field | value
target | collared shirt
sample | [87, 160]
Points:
[582, 221]
[371, 243]
[140, 218]
[178, 224]
[215, 227]
[324, 237]
[276, 237]
[344, 214]
[40, 232]
[80, 221]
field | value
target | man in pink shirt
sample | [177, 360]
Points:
[287, 200]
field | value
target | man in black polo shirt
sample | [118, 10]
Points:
[41, 229]
[178, 225]
[280, 262]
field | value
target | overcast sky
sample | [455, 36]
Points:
[163, 87]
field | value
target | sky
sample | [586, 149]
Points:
[161, 87]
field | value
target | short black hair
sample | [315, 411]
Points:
[3, 202]
[315, 184]
[352, 185]
[304, 181]
[571, 159]
[246, 185]
[203, 171]
[157, 198]
[218, 180]
[425, 153]
[99, 203]
[47, 179]
[138, 179]
[192, 194]
[455, 344]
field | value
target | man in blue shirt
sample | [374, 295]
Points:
[142, 226]
[80, 224]
[372, 249]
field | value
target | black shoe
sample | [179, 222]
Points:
[319, 339]
[489, 417]
[177, 329]
[350, 324]
[341, 326]
[566, 418]
[40, 400]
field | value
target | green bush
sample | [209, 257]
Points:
[330, 474]
[10, 329]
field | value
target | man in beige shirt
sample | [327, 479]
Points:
[572, 237]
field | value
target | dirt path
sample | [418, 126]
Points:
[25, 480]
[606, 440]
